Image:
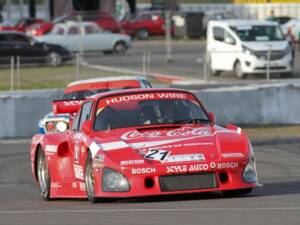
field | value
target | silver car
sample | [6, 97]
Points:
[87, 37]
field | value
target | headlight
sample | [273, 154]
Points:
[247, 50]
[56, 126]
[61, 126]
[250, 174]
[113, 181]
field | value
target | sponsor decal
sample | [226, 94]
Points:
[145, 170]
[200, 167]
[76, 153]
[78, 170]
[233, 155]
[56, 185]
[74, 185]
[72, 103]
[184, 158]
[181, 132]
[132, 162]
[98, 161]
[158, 155]
[82, 186]
[146, 96]
[51, 148]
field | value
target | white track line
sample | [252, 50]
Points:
[146, 210]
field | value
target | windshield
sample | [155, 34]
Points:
[10, 22]
[148, 109]
[259, 33]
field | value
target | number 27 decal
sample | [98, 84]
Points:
[155, 154]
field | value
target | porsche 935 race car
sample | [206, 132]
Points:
[142, 142]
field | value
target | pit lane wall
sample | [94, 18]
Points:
[20, 112]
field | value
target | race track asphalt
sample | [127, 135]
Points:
[277, 203]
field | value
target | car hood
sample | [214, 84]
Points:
[264, 46]
[182, 144]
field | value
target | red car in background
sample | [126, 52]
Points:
[103, 20]
[144, 25]
[20, 24]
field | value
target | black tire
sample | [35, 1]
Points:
[120, 48]
[43, 174]
[142, 34]
[54, 59]
[89, 179]
[237, 192]
[238, 70]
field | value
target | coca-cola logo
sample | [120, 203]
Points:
[182, 132]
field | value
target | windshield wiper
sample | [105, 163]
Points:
[194, 121]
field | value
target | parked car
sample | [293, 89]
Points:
[145, 24]
[242, 46]
[13, 43]
[19, 24]
[80, 90]
[89, 37]
[103, 20]
[143, 142]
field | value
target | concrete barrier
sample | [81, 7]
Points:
[20, 112]
[254, 104]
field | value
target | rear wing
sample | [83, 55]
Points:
[66, 106]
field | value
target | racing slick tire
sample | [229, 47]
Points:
[237, 192]
[89, 178]
[120, 48]
[54, 59]
[238, 70]
[43, 175]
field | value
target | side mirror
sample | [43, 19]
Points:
[86, 126]
[211, 117]
[229, 40]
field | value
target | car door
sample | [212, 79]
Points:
[223, 50]
[95, 39]
[25, 47]
[76, 141]
[6, 46]
[73, 40]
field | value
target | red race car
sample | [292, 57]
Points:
[142, 142]
[103, 20]
[144, 25]
[20, 24]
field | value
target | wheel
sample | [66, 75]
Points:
[120, 48]
[142, 34]
[237, 192]
[43, 175]
[238, 70]
[53, 59]
[89, 178]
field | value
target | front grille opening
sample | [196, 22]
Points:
[149, 182]
[223, 177]
[187, 182]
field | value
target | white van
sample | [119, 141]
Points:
[244, 47]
